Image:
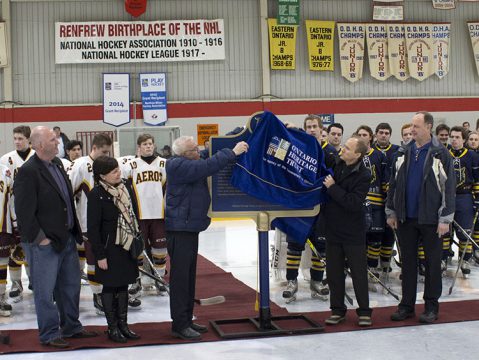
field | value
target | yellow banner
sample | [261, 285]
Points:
[320, 44]
[282, 45]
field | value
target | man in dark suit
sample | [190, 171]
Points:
[49, 231]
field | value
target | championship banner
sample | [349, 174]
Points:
[351, 50]
[282, 166]
[153, 98]
[377, 40]
[444, 4]
[474, 34]
[139, 41]
[420, 51]
[320, 44]
[441, 34]
[397, 52]
[116, 99]
[282, 45]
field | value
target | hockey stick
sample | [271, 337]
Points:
[388, 290]
[349, 299]
[464, 232]
[159, 280]
[396, 240]
[461, 261]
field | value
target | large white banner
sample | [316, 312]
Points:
[153, 98]
[377, 40]
[420, 51]
[351, 50]
[441, 34]
[116, 99]
[474, 34]
[397, 51]
[139, 41]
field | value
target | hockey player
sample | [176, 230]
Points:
[6, 235]
[148, 178]
[335, 136]
[14, 160]
[442, 133]
[74, 149]
[313, 126]
[466, 168]
[406, 133]
[473, 145]
[376, 162]
[81, 176]
[383, 144]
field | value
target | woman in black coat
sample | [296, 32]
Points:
[111, 227]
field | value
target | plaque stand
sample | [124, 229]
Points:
[264, 324]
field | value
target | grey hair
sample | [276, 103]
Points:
[179, 145]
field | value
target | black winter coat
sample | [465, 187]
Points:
[343, 217]
[102, 219]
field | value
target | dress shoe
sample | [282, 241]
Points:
[58, 343]
[199, 328]
[187, 334]
[83, 334]
[335, 319]
[365, 320]
[401, 315]
[428, 317]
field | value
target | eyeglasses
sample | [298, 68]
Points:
[195, 149]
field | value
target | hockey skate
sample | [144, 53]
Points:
[290, 292]
[372, 282]
[16, 291]
[97, 303]
[421, 272]
[134, 303]
[466, 269]
[443, 267]
[135, 289]
[83, 279]
[5, 307]
[476, 257]
[319, 290]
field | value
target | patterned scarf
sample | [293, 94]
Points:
[127, 224]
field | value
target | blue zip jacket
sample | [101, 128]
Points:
[438, 187]
[187, 195]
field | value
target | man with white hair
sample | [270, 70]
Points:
[49, 230]
[187, 203]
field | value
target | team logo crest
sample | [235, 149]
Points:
[278, 148]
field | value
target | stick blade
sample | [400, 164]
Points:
[211, 300]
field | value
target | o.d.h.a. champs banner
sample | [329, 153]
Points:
[441, 34]
[474, 34]
[397, 51]
[377, 40]
[420, 51]
[351, 50]
[282, 166]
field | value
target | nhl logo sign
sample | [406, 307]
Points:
[135, 7]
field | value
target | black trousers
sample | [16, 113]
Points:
[409, 233]
[183, 251]
[337, 253]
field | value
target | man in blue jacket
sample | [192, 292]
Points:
[187, 203]
[420, 205]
